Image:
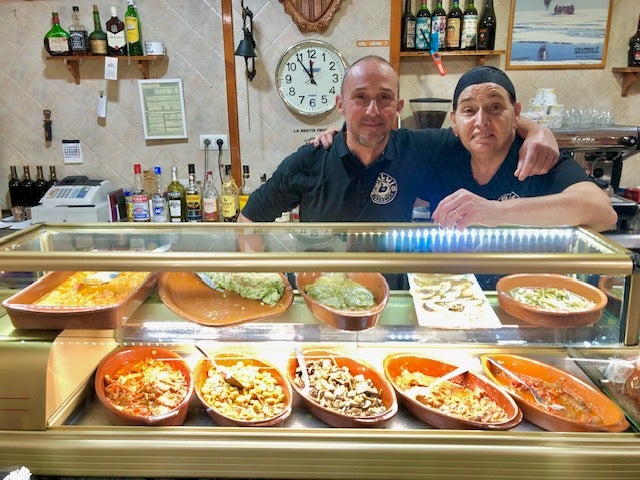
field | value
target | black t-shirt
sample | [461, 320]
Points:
[333, 185]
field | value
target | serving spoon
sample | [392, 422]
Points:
[425, 391]
[536, 396]
[226, 374]
[303, 368]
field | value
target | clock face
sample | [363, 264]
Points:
[309, 76]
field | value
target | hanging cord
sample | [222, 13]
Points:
[207, 144]
[220, 143]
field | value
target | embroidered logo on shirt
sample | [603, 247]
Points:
[508, 196]
[385, 189]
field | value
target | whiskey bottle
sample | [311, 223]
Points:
[487, 27]
[423, 27]
[57, 40]
[97, 38]
[469, 27]
[194, 199]
[116, 41]
[634, 48]
[454, 26]
[16, 195]
[210, 200]
[78, 33]
[408, 30]
[134, 30]
[229, 197]
[176, 198]
[139, 198]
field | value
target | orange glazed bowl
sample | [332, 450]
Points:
[550, 318]
[347, 319]
[266, 400]
[123, 371]
[336, 417]
[586, 409]
[397, 364]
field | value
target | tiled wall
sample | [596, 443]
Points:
[192, 33]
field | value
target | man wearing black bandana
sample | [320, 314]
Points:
[373, 172]
[478, 186]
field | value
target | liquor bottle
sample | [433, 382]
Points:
[97, 38]
[246, 190]
[634, 48]
[78, 33]
[194, 199]
[408, 29]
[41, 183]
[176, 198]
[454, 26]
[423, 27]
[439, 25]
[16, 195]
[139, 198]
[57, 40]
[116, 41]
[210, 200]
[159, 198]
[229, 197]
[487, 27]
[53, 178]
[134, 29]
[469, 27]
[29, 192]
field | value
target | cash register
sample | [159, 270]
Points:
[76, 199]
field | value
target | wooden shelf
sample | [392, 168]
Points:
[480, 54]
[630, 75]
[73, 62]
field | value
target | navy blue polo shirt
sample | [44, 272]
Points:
[333, 185]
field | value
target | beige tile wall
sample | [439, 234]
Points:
[192, 33]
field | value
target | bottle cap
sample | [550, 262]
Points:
[157, 170]
[137, 168]
[114, 13]
[192, 168]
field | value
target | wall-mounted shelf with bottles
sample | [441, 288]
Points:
[480, 54]
[73, 62]
[630, 75]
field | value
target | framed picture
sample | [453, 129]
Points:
[162, 105]
[558, 34]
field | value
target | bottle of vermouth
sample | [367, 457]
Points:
[16, 195]
[423, 27]
[78, 33]
[439, 25]
[41, 183]
[210, 200]
[134, 29]
[53, 178]
[194, 199]
[159, 198]
[97, 38]
[408, 30]
[454, 26]
[139, 198]
[116, 40]
[469, 27]
[634, 48]
[229, 197]
[29, 191]
[57, 40]
[176, 198]
[487, 27]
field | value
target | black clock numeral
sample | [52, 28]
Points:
[336, 78]
[291, 92]
[302, 97]
[332, 65]
[288, 78]
[292, 66]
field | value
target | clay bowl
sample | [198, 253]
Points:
[204, 368]
[612, 418]
[123, 360]
[346, 319]
[332, 417]
[395, 364]
[546, 318]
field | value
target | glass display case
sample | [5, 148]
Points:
[52, 423]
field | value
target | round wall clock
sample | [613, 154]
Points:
[309, 76]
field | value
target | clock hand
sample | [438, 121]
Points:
[311, 72]
[308, 72]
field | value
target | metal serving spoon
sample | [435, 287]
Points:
[303, 368]
[540, 400]
[426, 391]
[226, 374]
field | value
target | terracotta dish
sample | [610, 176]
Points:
[121, 361]
[204, 368]
[547, 318]
[586, 408]
[347, 319]
[395, 364]
[190, 298]
[330, 416]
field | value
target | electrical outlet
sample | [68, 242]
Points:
[213, 138]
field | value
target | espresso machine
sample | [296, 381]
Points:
[602, 151]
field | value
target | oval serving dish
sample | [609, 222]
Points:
[396, 364]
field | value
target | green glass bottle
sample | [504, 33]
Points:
[97, 38]
[134, 30]
[57, 41]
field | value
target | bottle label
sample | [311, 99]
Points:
[242, 200]
[229, 207]
[469, 29]
[423, 33]
[159, 204]
[98, 47]
[453, 33]
[411, 34]
[58, 44]
[140, 203]
[439, 26]
[116, 41]
[210, 209]
[194, 210]
[175, 209]
[79, 40]
[133, 32]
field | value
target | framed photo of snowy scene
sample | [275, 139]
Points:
[558, 34]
